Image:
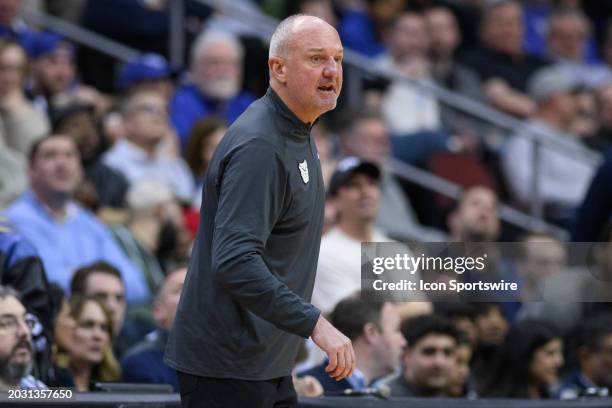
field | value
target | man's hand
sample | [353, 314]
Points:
[338, 348]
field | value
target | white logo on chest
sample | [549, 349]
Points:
[304, 171]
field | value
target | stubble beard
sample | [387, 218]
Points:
[12, 372]
[223, 89]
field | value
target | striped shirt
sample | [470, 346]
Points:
[29, 382]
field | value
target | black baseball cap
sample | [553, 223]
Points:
[346, 168]
[62, 114]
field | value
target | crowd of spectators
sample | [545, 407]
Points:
[102, 165]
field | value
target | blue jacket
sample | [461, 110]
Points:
[189, 105]
[357, 33]
[574, 385]
[144, 363]
[21, 268]
[596, 208]
[329, 384]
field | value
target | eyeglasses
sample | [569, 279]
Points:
[152, 109]
[10, 323]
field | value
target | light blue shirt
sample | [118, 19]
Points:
[357, 380]
[79, 240]
[136, 166]
[29, 383]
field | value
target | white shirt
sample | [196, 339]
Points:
[406, 108]
[563, 180]
[339, 268]
[136, 166]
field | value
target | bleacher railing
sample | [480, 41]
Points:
[80, 35]
[360, 67]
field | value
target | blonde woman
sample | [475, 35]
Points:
[85, 355]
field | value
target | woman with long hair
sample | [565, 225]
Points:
[85, 351]
[527, 363]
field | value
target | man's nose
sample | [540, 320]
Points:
[403, 343]
[23, 331]
[368, 190]
[332, 67]
[440, 359]
[559, 360]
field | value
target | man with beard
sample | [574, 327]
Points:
[473, 226]
[475, 218]
[16, 349]
[214, 83]
[429, 360]
[54, 78]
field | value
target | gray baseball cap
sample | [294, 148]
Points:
[550, 81]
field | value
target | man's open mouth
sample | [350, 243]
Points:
[327, 88]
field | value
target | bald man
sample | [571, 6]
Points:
[245, 305]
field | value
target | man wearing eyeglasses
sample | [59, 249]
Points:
[16, 350]
[147, 151]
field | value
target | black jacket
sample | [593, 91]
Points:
[21, 268]
[244, 305]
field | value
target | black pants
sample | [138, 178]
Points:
[207, 392]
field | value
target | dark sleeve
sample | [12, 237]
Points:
[23, 271]
[252, 184]
[110, 184]
[135, 369]
[596, 208]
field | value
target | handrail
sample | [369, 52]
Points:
[448, 188]
[176, 38]
[80, 35]
[265, 27]
[539, 136]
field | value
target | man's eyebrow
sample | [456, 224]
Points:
[320, 49]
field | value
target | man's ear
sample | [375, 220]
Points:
[406, 355]
[159, 314]
[369, 331]
[584, 356]
[278, 69]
